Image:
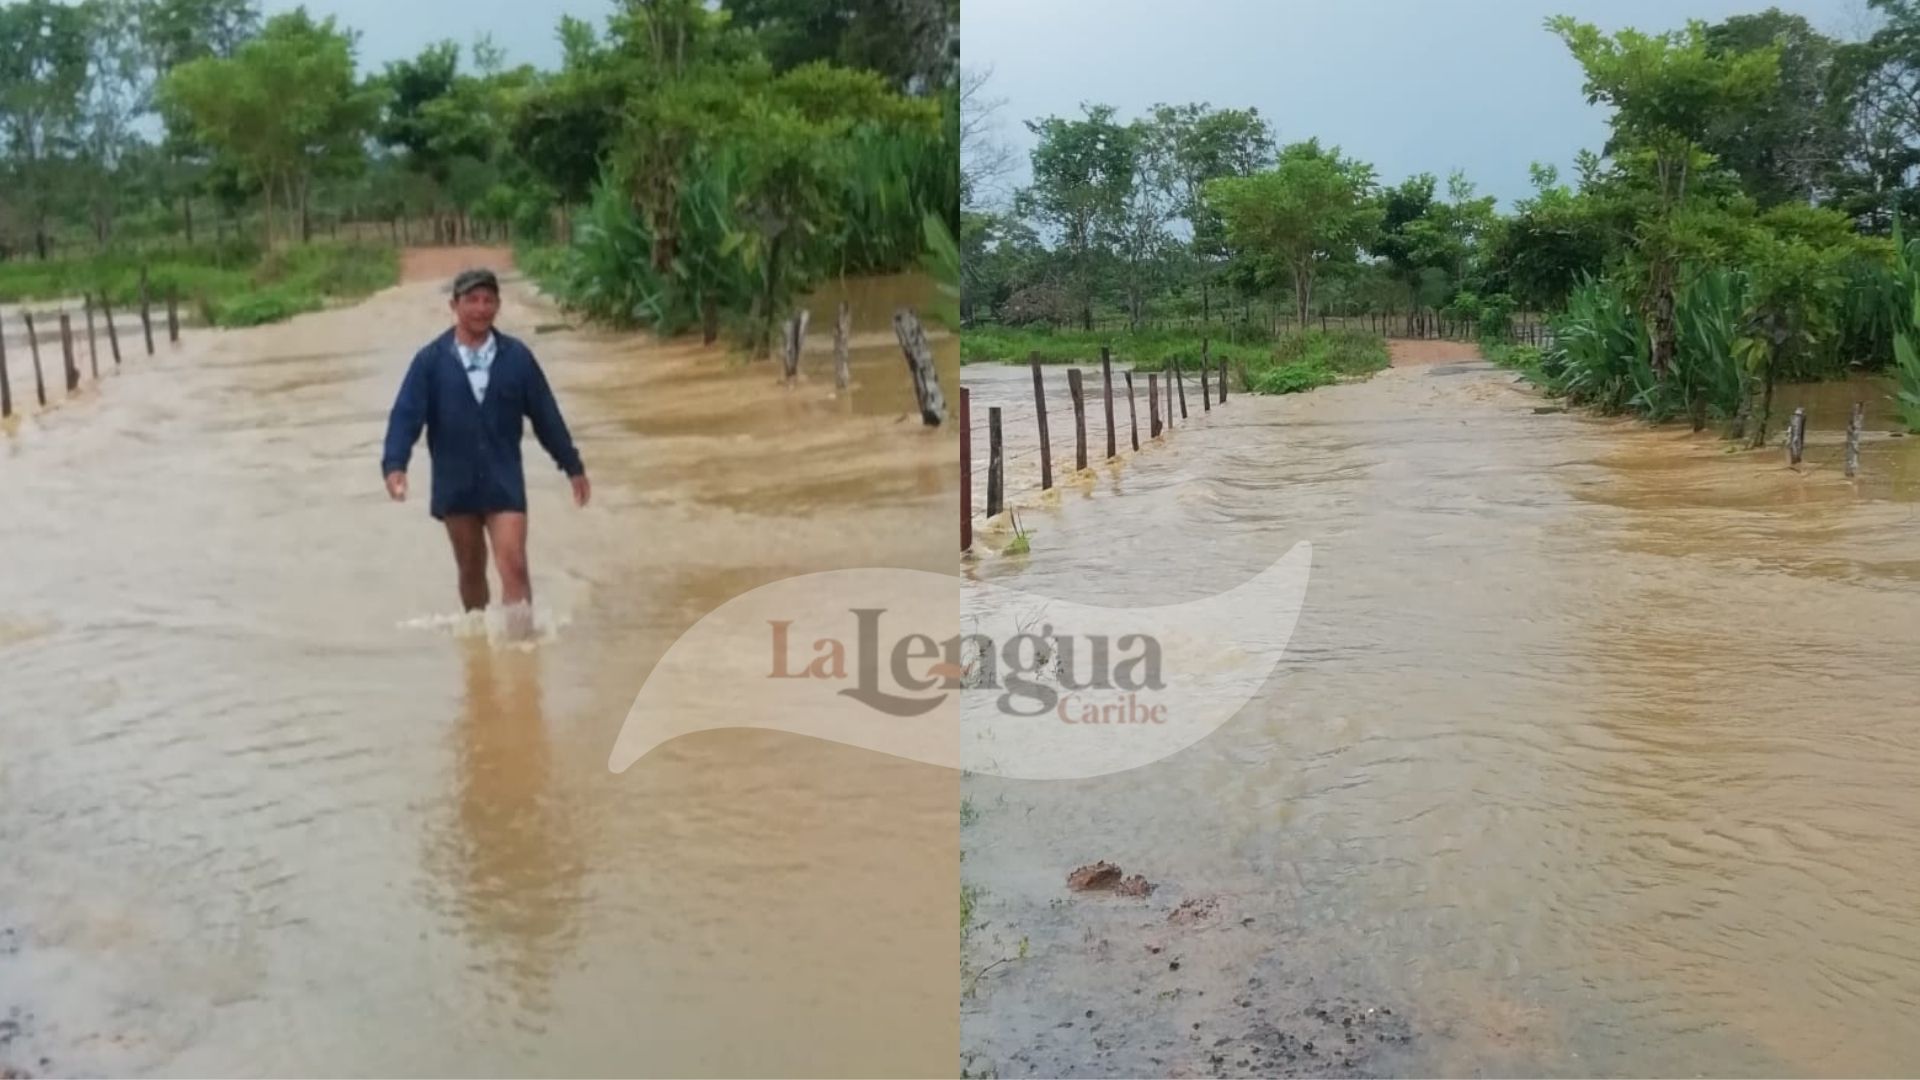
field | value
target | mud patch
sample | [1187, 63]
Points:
[1194, 910]
[1339, 1037]
[1094, 876]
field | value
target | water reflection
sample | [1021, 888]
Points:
[514, 855]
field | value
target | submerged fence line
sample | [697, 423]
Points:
[38, 323]
[1213, 390]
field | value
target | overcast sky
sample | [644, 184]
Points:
[396, 29]
[1409, 85]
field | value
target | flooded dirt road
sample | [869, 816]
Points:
[268, 806]
[1594, 752]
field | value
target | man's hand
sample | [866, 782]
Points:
[397, 486]
[581, 490]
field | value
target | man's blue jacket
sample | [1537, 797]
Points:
[475, 445]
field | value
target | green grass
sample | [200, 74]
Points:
[1146, 351]
[1294, 363]
[1524, 359]
[1316, 358]
[228, 284]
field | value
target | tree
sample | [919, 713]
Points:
[985, 158]
[1784, 142]
[43, 74]
[1201, 143]
[283, 108]
[1143, 243]
[1082, 176]
[1877, 89]
[1552, 240]
[911, 42]
[1314, 210]
[119, 90]
[1668, 92]
[176, 32]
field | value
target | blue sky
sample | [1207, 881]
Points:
[1410, 86]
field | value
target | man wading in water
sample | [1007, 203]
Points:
[469, 388]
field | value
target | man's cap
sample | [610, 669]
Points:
[468, 280]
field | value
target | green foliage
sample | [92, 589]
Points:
[229, 285]
[730, 192]
[1293, 378]
[1524, 359]
[1599, 355]
[1144, 350]
[283, 108]
[942, 263]
[1312, 211]
[1906, 340]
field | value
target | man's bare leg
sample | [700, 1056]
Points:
[508, 533]
[469, 536]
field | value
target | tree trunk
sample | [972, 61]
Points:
[1766, 403]
[266, 191]
[1665, 335]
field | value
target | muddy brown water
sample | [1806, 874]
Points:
[268, 806]
[1594, 752]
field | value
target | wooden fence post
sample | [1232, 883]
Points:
[1168, 385]
[966, 471]
[6, 383]
[93, 343]
[1040, 412]
[39, 380]
[146, 311]
[1180, 380]
[1857, 421]
[1153, 405]
[926, 380]
[1223, 380]
[796, 337]
[1206, 389]
[1106, 383]
[113, 332]
[996, 480]
[1797, 435]
[1079, 418]
[72, 371]
[842, 327]
[173, 314]
[1133, 414]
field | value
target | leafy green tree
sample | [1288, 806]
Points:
[1082, 176]
[1202, 143]
[1316, 209]
[1667, 92]
[285, 107]
[43, 77]
[913, 43]
[1784, 142]
[1554, 238]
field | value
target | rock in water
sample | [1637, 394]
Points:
[1100, 875]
